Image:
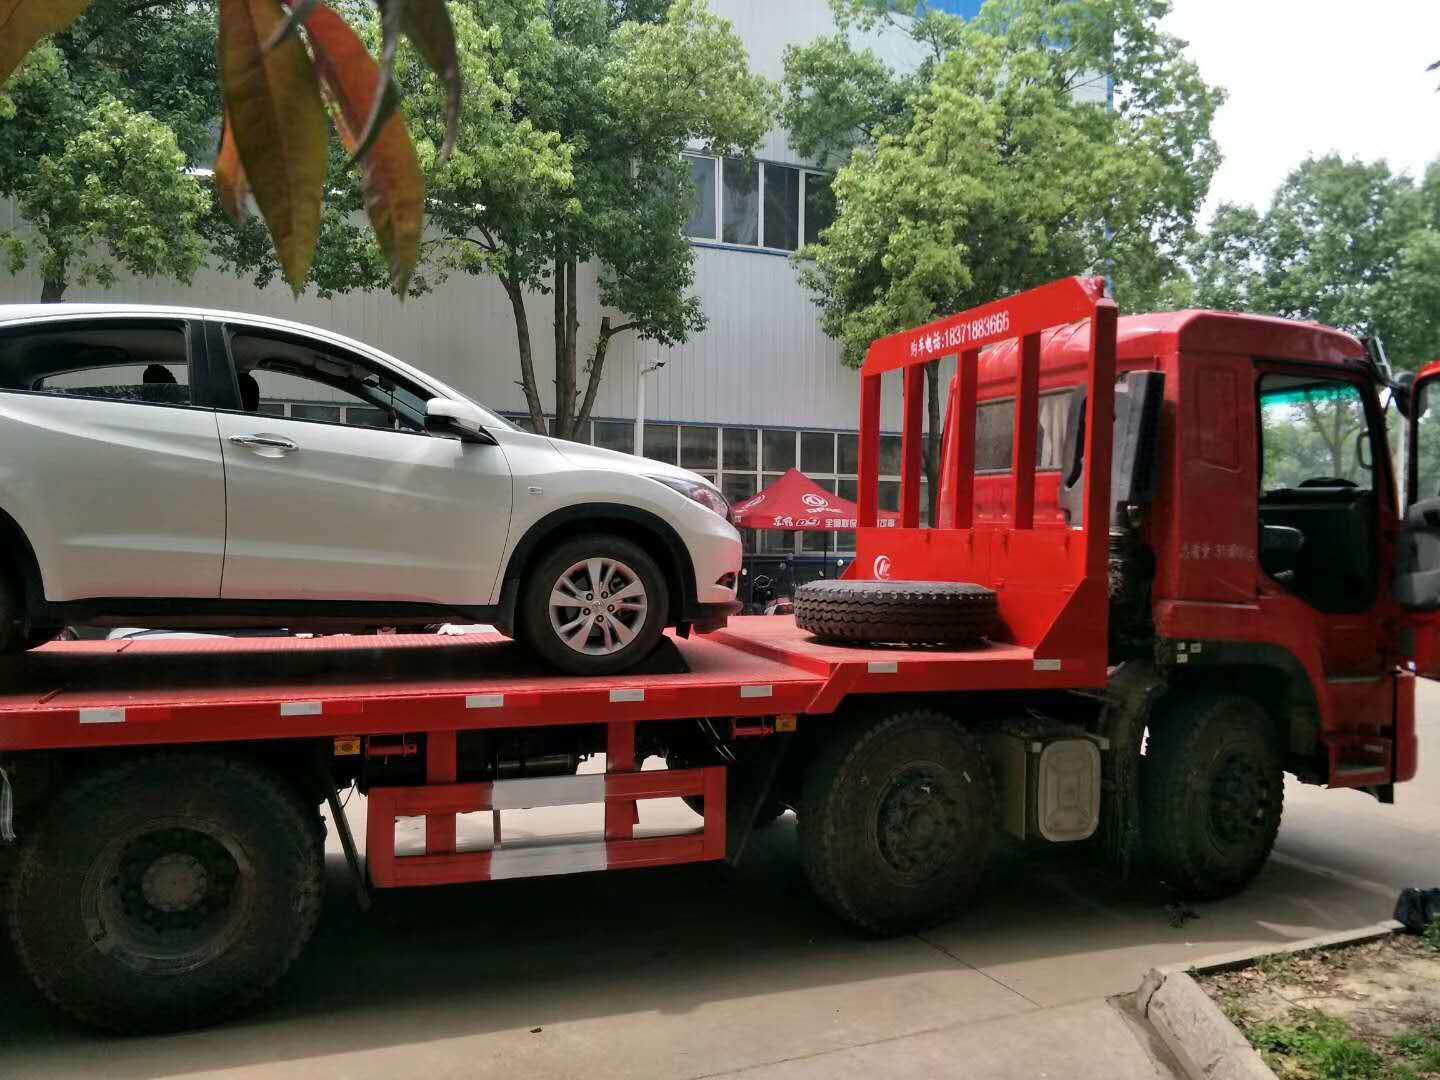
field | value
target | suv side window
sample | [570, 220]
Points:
[140, 363]
[282, 375]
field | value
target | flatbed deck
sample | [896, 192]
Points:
[139, 691]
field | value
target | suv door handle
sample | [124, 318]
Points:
[265, 442]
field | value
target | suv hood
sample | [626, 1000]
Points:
[593, 457]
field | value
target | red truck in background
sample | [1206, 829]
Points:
[1184, 526]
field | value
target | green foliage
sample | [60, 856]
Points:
[103, 120]
[1320, 1044]
[1345, 243]
[569, 152]
[99, 186]
[982, 175]
[1431, 936]
[1421, 1048]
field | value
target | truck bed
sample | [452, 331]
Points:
[139, 691]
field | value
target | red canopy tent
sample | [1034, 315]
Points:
[796, 503]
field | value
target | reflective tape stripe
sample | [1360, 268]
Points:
[102, 716]
[627, 695]
[547, 791]
[882, 667]
[757, 691]
[548, 859]
[301, 708]
[1047, 665]
[484, 701]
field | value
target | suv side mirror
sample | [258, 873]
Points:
[458, 418]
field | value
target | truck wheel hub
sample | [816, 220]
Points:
[175, 880]
[1240, 800]
[918, 824]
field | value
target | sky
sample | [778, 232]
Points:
[1310, 76]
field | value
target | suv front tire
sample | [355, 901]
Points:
[595, 605]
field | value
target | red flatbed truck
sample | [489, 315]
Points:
[164, 797]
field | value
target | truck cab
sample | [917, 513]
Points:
[1256, 529]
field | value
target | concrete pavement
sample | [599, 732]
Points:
[702, 972]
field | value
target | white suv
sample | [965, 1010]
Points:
[202, 469]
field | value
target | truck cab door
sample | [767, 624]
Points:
[1417, 568]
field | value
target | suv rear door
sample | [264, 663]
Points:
[109, 456]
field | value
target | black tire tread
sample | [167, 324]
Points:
[1168, 818]
[287, 812]
[919, 612]
[819, 835]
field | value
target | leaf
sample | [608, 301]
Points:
[280, 126]
[24, 22]
[296, 13]
[393, 187]
[427, 24]
[230, 182]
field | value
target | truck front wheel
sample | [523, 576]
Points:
[896, 820]
[1212, 793]
[166, 891]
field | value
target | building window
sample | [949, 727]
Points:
[615, 435]
[697, 448]
[740, 454]
[779, 449]
[817, 453]
[782, 207]
[819, 206]
[702, 209]
[660, 442]
[741, 223]
[757, 204]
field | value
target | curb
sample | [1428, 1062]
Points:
[1205, 1043]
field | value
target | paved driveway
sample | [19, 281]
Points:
[699, 971]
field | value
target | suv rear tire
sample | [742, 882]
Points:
[620, 607]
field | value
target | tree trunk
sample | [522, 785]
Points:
[567, 328]
[560, 426]
[595, 370]
[53, 288]
[932, 443]
[516, 293]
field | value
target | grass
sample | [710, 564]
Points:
[1316, 1046]
[1430, 936]
[1279, 966]
[1319, 1044]
[1421, 1049]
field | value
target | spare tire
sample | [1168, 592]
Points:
[910, 612]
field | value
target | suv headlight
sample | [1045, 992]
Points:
[699, 492]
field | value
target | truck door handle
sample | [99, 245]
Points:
[266, 442]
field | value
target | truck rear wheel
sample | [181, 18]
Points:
[166, 891]
[896, 821]
[1212, 794]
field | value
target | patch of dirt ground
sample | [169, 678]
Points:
[1355, 1013]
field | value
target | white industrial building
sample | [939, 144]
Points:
[760, 390]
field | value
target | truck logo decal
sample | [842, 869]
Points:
[882, 568]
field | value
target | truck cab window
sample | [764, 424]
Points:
[1427, 444]
[1317, 499]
